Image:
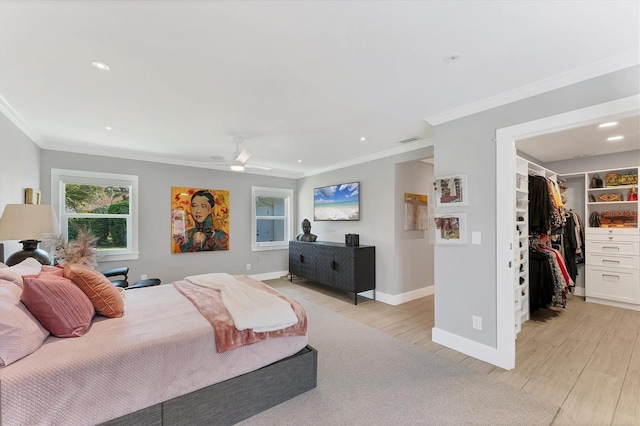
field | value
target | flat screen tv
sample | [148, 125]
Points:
[337, 202]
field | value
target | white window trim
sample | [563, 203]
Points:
[287, 194]
[61, 176]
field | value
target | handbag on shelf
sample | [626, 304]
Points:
[609, 197]
[596, 182]
[594, 220]
[611, 179]
[592, 198]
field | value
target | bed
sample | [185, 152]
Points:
[157, 364]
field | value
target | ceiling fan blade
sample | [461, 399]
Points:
[255, 166]
[243, 156]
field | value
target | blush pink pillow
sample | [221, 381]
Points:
[20, 332]
[59, 305]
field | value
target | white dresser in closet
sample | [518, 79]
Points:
[613, 249]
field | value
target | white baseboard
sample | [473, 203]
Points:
[474, 349]
[269, 275]
[399, 299]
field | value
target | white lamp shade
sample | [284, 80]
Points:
[28, 222]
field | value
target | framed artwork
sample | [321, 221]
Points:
[451, 228]
[416, 212]
[199, 220]
[451, 191]
[31, 196]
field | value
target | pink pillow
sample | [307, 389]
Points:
[14, 273]
[20, 333]
[59, 305]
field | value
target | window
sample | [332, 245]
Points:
[271, 212]
[106, 204]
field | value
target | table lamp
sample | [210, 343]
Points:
[27, 223]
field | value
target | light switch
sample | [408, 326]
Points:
[476, 237]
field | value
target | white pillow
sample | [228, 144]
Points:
[14, 273]
[20, 332]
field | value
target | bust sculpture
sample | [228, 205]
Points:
[306, 232]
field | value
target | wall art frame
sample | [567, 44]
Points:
[450, 228]
[416, 211]
[451, 191]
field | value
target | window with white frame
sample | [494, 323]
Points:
[105, 204]
[272, 210]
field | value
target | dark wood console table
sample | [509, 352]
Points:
[348, 268]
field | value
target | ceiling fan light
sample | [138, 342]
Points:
[237, 166]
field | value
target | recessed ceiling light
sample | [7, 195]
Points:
[362, 139]
[451, 58]
[101, 66]
[299, 161]
[615, 138]
[609, 124]
[108, 127]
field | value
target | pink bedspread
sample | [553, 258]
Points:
[209, 303]
[162, 347]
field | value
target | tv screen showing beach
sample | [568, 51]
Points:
[337, 202]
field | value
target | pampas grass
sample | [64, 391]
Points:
[82, 250]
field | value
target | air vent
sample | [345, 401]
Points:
[413, 139]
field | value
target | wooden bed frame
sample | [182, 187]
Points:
[236, 399]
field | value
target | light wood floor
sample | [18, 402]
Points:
[585, 357]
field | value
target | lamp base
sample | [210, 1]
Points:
[29, 249]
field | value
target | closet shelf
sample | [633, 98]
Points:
[611, 188]
[602, 203]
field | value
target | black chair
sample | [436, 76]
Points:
[124, 272]
[116, 272]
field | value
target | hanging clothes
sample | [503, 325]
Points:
[549, 277]
[545, 206]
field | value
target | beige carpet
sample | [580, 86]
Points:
[366, 377]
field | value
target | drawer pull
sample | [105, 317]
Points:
[301, 259]
[613, 277]
[610, 248]
[615, 262]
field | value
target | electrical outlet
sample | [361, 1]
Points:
[477, 322]
[143, 276]
[248, 266]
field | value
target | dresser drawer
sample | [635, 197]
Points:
[613, 284]
[609, 261]
[613, 247]
[613, 232]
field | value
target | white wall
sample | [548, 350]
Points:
[19, 159]
[465, 276]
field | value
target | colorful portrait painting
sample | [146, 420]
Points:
[199, 220]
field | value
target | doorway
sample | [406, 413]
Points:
[505, 219]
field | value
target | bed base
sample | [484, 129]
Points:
[236, 399]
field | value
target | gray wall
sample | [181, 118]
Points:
[597, 162]
[379, 201]
[19, 159]
[414, 249]
[465, 276]
[154, 234]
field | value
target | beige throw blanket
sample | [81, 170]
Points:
[209, 301]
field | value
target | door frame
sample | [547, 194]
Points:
[505, 205]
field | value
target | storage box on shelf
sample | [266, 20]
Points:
[613, 248]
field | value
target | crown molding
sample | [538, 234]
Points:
[412, 146]
[595, 69]
[18, 121]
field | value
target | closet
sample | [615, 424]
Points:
[547, 234]
[606, 239]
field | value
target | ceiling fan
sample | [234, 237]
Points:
[238, 162]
